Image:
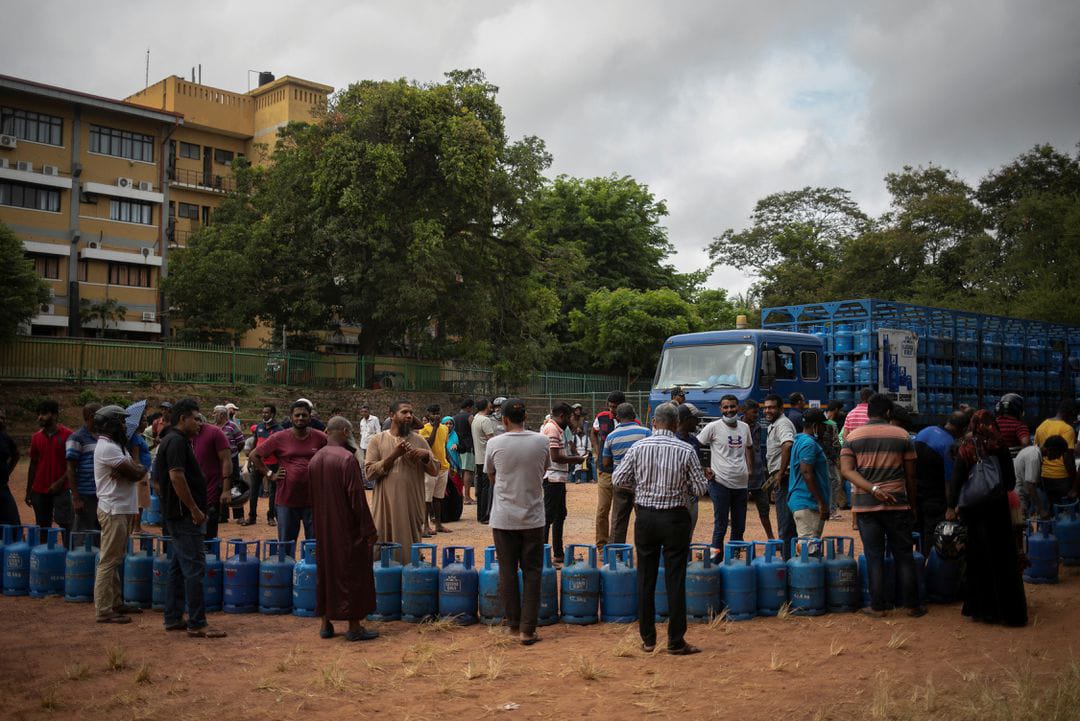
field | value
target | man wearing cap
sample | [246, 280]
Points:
[313, 419]
[516, 463]
[163, 420]
[345, 584]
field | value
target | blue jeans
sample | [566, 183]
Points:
[288, 523]
[186, 571]
[876, 528]
[785, 522]
[727, 501]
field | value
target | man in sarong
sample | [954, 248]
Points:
[345, 587]
[396, 462]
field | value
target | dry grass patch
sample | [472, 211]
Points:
[718, 619]
[899, 641]
[77, 671]
[143, 674]
[835, 648]
[785, 610]
[585, 668]
[50, 699]
[332, 677]
[115, 659]
[627, 646]
[776, 663]
[439, 625]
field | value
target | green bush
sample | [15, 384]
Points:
[87, 396]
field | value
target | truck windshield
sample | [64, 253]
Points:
[730, 365]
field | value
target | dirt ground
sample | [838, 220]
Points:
[56, 663]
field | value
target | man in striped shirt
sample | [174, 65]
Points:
[878, 460]
[627, 432]
[663, 473]
[857, 418]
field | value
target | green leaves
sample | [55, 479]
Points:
[22, 291]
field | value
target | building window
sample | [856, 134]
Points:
[121, 143]
[187, 210]
[809, 362]
[189, 150]
[137, 276]
[35, 127]
[84, 270]
[223, 157]
[28, 196]
[47, 266]
[131, 211]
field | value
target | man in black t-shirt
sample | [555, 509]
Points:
[183, 509]
[9, 458]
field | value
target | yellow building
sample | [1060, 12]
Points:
[100, 190]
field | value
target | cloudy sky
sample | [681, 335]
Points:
[711, 104]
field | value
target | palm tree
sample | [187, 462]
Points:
[106, 311]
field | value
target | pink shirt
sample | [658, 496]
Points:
[855, 420]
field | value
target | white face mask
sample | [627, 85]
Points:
[731, 420]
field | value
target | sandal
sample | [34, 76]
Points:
[647, 648]
[205, 632]
[361, 634]
[530, 640]
[685, 650]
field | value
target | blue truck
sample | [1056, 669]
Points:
[931, 359]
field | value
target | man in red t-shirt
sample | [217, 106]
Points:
[47, 490]
[214, 455]
[294, 448]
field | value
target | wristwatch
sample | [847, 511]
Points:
[874, 490]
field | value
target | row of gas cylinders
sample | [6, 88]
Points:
[1053, 542]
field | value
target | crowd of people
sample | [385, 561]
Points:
[798, 466]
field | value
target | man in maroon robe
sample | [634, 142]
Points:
[346, 533]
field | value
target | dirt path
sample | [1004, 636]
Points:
[55, 663]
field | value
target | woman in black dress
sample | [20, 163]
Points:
[994, 588]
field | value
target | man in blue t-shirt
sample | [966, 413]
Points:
[79, 452]
[627, 432]
[808, 478]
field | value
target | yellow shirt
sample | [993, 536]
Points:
[1047, 429]
[438, 448]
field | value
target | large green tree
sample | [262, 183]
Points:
[22, 291]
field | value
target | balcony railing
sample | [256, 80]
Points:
[200, 180]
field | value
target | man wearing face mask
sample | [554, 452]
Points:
[732, 447]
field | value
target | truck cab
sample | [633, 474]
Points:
[744, 363]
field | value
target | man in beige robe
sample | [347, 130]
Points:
[396, 462]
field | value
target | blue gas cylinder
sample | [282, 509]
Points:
[387, 573]
[459, 585]
[806, 578]
[770, 577]
[618, 584]
[490, 603]
[47, 566]
[942, 578]
[152, 516]
[704, 585]
[580, 585]
[549, 591]
[842, 339]
[80, 567]
[660, 592]
[1042, 553]
[305, 582]
[864, 339]
[889, 582]
[739, 580]
[214, 578]
[275, 577]
[139, 571]
[160, 572]
[919, 562]
[17, 560]
[843, 371]
[241, 576]
[420, 585]
[864, 372]
[1067, 530]
[842, 592]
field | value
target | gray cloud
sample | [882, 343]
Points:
[713, 105]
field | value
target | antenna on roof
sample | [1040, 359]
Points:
[147, 68]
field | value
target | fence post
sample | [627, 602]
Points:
[164, 374]
[288, 370]
[232, 364]
[82, 355]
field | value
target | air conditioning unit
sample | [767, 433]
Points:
[125, 183]
[50, 170]
[92, 244]
[146, 185]
[47, 309]
[8, 141]
[25, 166]
[149, 316]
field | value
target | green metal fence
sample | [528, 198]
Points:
[88, 360]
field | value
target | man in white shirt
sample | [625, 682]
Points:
[515, 464]
[484, 428]
[1028, 467]
[115, 477]
[732, 457]
[368, 427]
[781, 438]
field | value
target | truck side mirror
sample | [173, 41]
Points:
[768, 368]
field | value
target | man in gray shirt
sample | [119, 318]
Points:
[515, 465]
[484, 428]
[777, 456]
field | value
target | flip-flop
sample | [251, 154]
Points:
[685, 650]
[205, 632]
[114, 619]
[531, 640]
[362, 635]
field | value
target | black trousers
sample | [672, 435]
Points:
[621, 507]
[524, 550]
[483, 495]
[554, 516]
[258, 480]
[878, 528]
[668, 532]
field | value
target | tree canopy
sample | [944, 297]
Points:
[22, 292]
